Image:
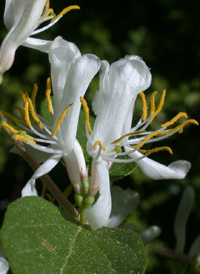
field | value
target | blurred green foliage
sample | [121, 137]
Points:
[165, 33]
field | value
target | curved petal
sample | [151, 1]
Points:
[78, 79]
[114, 102]
[38, 44]
[157, 171]
[62, 55]
[13, 12]
[47, 166]
[149, 234]
[123, 203]
[4, 266]
[20, 30]
[99, 213]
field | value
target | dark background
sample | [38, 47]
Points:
[166, 35]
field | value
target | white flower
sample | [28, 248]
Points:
[71, 74]
[115, 139]
[123, 203]
[119, 86]
[21, 19]
[4, 266]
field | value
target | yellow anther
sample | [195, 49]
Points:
[26, 113]
[46, 7]
[64, 11]
[100, 145]
[150, 151]
[162, 133]
[50, 11]
[11, 117]
[60, 120]
[87, 114]
[145, 106]
[175, 119]
[161, 103]
[23, 96]
[126, 135]
[34, 93]
[48, 97]
[23, 139]
[179, 127]
[153, 95]
[11, 129]
[33, 114]
[150, 136]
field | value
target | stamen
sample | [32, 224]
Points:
[153, 95]
[50, 11]
[150, 151]
[126, 135]
[64, 11]
[161, 103]
[48, 92]
[162, 133]
[34, 93]
[26, 113]
[33, 114]
[173, 120]
[11, 129]
[153, 134]
[11, 117]
[22, 94]
[87, 114]
[100, 145]
[60, 120]
[46, 7]
[23, 138]
[145, 106]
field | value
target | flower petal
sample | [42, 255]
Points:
[78, 79]
[47, 166]
[62, 55]
[4, 266]
[123, 203]
[157, 171]
[38, 44]
[20, 28]
[99, 213]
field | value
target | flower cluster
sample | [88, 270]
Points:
[114, 138]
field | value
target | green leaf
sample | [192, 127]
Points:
[37, 240]
[119, 170]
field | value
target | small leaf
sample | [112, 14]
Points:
[120, 170]
[37, 239]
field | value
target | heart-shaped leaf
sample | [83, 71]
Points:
[38, 240]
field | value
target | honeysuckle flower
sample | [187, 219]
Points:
[114, 138]
[123, 203]
[71, 73]
[22, 18]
